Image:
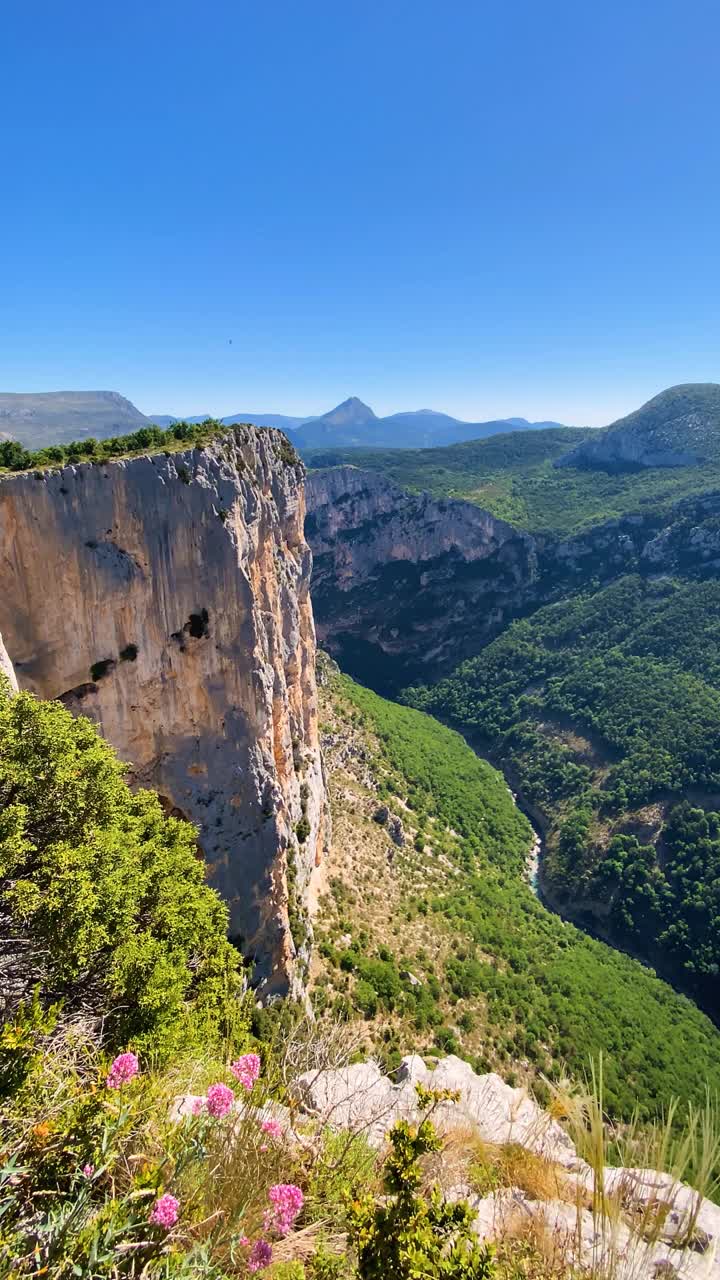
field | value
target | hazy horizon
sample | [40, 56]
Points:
[237, 403]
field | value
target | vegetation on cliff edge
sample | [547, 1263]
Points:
[182, 435]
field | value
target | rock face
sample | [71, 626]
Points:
[166, 597]
[361, 1098]
[635, 1224]
[405, 587]
[677, 428]
[416, 578]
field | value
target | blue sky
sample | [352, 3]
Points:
[486, 208]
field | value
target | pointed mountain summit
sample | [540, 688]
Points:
[351, 413]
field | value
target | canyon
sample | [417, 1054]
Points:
[166, 597]
[406, 586]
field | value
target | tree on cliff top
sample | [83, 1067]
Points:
[103, 904]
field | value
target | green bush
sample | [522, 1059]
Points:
[407, 1234]
[103, 896]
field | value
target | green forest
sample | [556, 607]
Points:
[605, 708]
[551, 995]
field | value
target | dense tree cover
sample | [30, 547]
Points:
[513, 476]
[600, 705]
[675, 900]
[548, 994]
[103, 901]
[440, 777]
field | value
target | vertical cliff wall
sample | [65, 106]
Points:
[405, 585]
[166, 597]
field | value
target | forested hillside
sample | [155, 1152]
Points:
[606, 709]
[437, 942]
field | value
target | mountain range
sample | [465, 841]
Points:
[56, 417]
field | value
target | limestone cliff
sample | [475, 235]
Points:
[166, 597]
[405, 578]
[405, 586]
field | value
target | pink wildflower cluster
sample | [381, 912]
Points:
[272, 1127]
[287, 1200]
[165, 1212]
[246, 1069]
[124, 1068]
[260, 1256]
[220, 1099]
[88, 1170]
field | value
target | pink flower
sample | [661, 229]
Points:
[246, 1069]
[260, 1256]
[244, 1242]
[198, 1106]
[165, 1212]
[124, 1068]
[272, 1127]
[287, 1201]
[220, 1098]
[88, 1170]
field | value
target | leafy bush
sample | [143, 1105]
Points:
[102, 896]
[407, 1234]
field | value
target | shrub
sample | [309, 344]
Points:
[406, 1234]
[102, 895]
[366, 998]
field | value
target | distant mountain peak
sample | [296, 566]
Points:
[351, 413]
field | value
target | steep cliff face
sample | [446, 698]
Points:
[406, 586]
[404, 579]
[166, 597]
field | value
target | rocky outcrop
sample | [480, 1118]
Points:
[677, 428]
[416, 578]
[636, 1224]
[360, 1097]
[167, 598]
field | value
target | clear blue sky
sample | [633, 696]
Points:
[488, 208]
